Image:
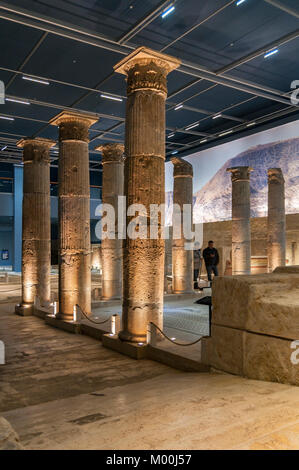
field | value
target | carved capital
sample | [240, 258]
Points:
[36, 150]
[240, 173]
[74, 126]
[181, 167]
[113, 152]
[275, 176]
[147, 69]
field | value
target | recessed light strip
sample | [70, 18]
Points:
[168, 11]
[225, 133]
[179, 106]
[268, 54]
[192, 126]
[30, 79]
[7, 118]
[108, 97]
[17, 101]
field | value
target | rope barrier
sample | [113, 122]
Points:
[175, 342]
[89, 319]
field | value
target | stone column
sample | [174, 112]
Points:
[143, 273]
[241, 236]
[112, 187]
[276, 219]
[36, 239]
[74, 213]
[182, 259]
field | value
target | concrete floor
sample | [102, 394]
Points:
[64, 391]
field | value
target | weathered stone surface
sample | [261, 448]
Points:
[250, 355]
[74, 213]
[276, 219]
[9, 440]
[241, 247]
[286, 270]
[36, 232]
[224, 350]
[264, 303]
[182, 259]
[143, 274]
[112, 188]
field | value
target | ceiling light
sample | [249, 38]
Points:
[268, 54]
[217, 116]
[179, 106]
[167, 11]
[16, 101]
[170, 135]
[250, 124]
[173, 153]
[192, 126]
[7, 118]
[114, 98]
[225, 133]
[43, 82]
[203, 141]
[239, 2]
[4, 148]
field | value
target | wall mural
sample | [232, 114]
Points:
[278, 147]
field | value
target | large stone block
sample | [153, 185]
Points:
[264, 303]
[9, 440]
[250, 355]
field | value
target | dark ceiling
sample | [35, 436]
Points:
[74, 44]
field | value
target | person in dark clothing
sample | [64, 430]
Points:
[197, 263]
[211, 257]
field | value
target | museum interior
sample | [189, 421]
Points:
[149, 224]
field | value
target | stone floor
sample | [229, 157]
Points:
[64, 391]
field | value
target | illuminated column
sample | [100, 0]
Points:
[182, 259]
[74, 213]
[276, 219]
[112, 187]
[143, 272]
[36, 246]
[241, 236]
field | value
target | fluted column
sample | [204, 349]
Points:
[74, 213]
[36, 245]
[143, 272]
[276, 219]
[241, 236]
[112, 187]
[182, 259]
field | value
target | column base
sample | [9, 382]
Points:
[131, 338]
[24, 310]
[64, 317]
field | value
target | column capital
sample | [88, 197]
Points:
[181, 167]
[37, 141]
[73, 125]
[240, 173]
[112, 152]
[275, 175]
[36, 149]
[147, 69]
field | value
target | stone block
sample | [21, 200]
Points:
[9, 440]
[264, 303]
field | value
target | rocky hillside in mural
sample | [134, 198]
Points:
[213, 201]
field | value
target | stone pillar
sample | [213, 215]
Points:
[36, 239]
[182, 259]
[112, 187]
[143, 273]
[241, 236]
[74, 213]
[276, 219]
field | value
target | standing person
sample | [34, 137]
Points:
[197, 263]
[211, 257]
